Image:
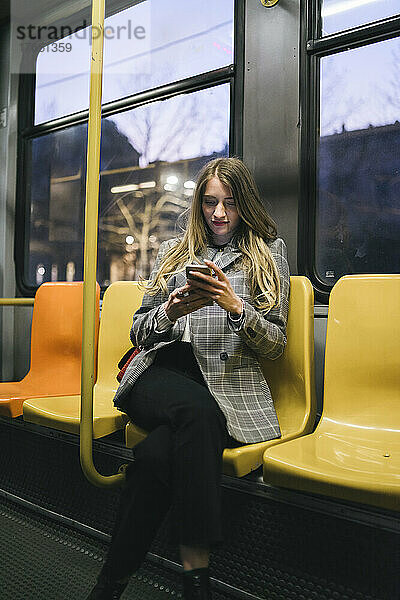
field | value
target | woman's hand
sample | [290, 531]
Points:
[218, 289]
[179, 305]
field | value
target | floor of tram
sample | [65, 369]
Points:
[45, 560]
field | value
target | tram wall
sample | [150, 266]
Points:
[7, 281]
[271, 107]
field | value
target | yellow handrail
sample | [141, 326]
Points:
[17, 301]
[90, 258]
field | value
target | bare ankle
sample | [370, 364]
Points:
[194, 557]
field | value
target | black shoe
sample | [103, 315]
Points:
[196, 584]
[107, 589]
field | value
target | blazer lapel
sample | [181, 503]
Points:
[222, 258]
[180, 279]
[227, 257]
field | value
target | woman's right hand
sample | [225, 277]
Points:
[179, 305]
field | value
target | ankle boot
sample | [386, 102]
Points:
[107, 589]
[196, 584]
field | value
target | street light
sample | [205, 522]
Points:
[189, 185]
[147, 185]
[118, 189]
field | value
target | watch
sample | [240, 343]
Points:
[237, 318]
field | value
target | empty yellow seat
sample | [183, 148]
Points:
[354, 453]
[290, 378]
[56, 343]
[120, 301]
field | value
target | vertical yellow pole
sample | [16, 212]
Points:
[90, 258]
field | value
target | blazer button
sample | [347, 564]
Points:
[251, 332]
[223, 356]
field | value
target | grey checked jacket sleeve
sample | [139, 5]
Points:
[266, 335]
[150, 323]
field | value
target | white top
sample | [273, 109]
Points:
[186, 332]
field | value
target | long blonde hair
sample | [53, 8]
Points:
[256, 228]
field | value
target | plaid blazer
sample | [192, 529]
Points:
[226, 354]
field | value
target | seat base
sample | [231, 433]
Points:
[14, 393]
[361, 469]
[63, 413]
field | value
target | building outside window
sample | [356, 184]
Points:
[357, 136]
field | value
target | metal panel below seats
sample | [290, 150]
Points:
[274, 548]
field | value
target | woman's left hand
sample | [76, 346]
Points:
[218, 289]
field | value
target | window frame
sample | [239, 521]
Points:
[314, 48]
[232, 74]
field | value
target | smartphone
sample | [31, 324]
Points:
[202, 269]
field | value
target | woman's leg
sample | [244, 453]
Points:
[144, 504]
[199, 436]
[194, 557]
[180, 460]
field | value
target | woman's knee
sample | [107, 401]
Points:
[201, 417]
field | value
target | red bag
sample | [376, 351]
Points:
[125, 361]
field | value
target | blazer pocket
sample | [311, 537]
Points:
[246, 363]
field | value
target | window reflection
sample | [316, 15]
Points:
[339, 15]
[179, 39]
[150, 157]
[358, 212]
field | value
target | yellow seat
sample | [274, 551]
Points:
[56, 343]
[291, 380]
[120, 301]
[354, 453]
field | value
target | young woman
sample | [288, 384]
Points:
[197, 386]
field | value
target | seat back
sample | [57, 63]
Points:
[121, 300]
[362, 356]
[291, 376]
[56, 338]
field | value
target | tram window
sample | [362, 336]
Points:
[358, 175]
[339, 15]
[150, 156]
[147, 45]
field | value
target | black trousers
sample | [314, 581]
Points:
[177, 466]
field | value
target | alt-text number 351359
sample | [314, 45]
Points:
[58, 47]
